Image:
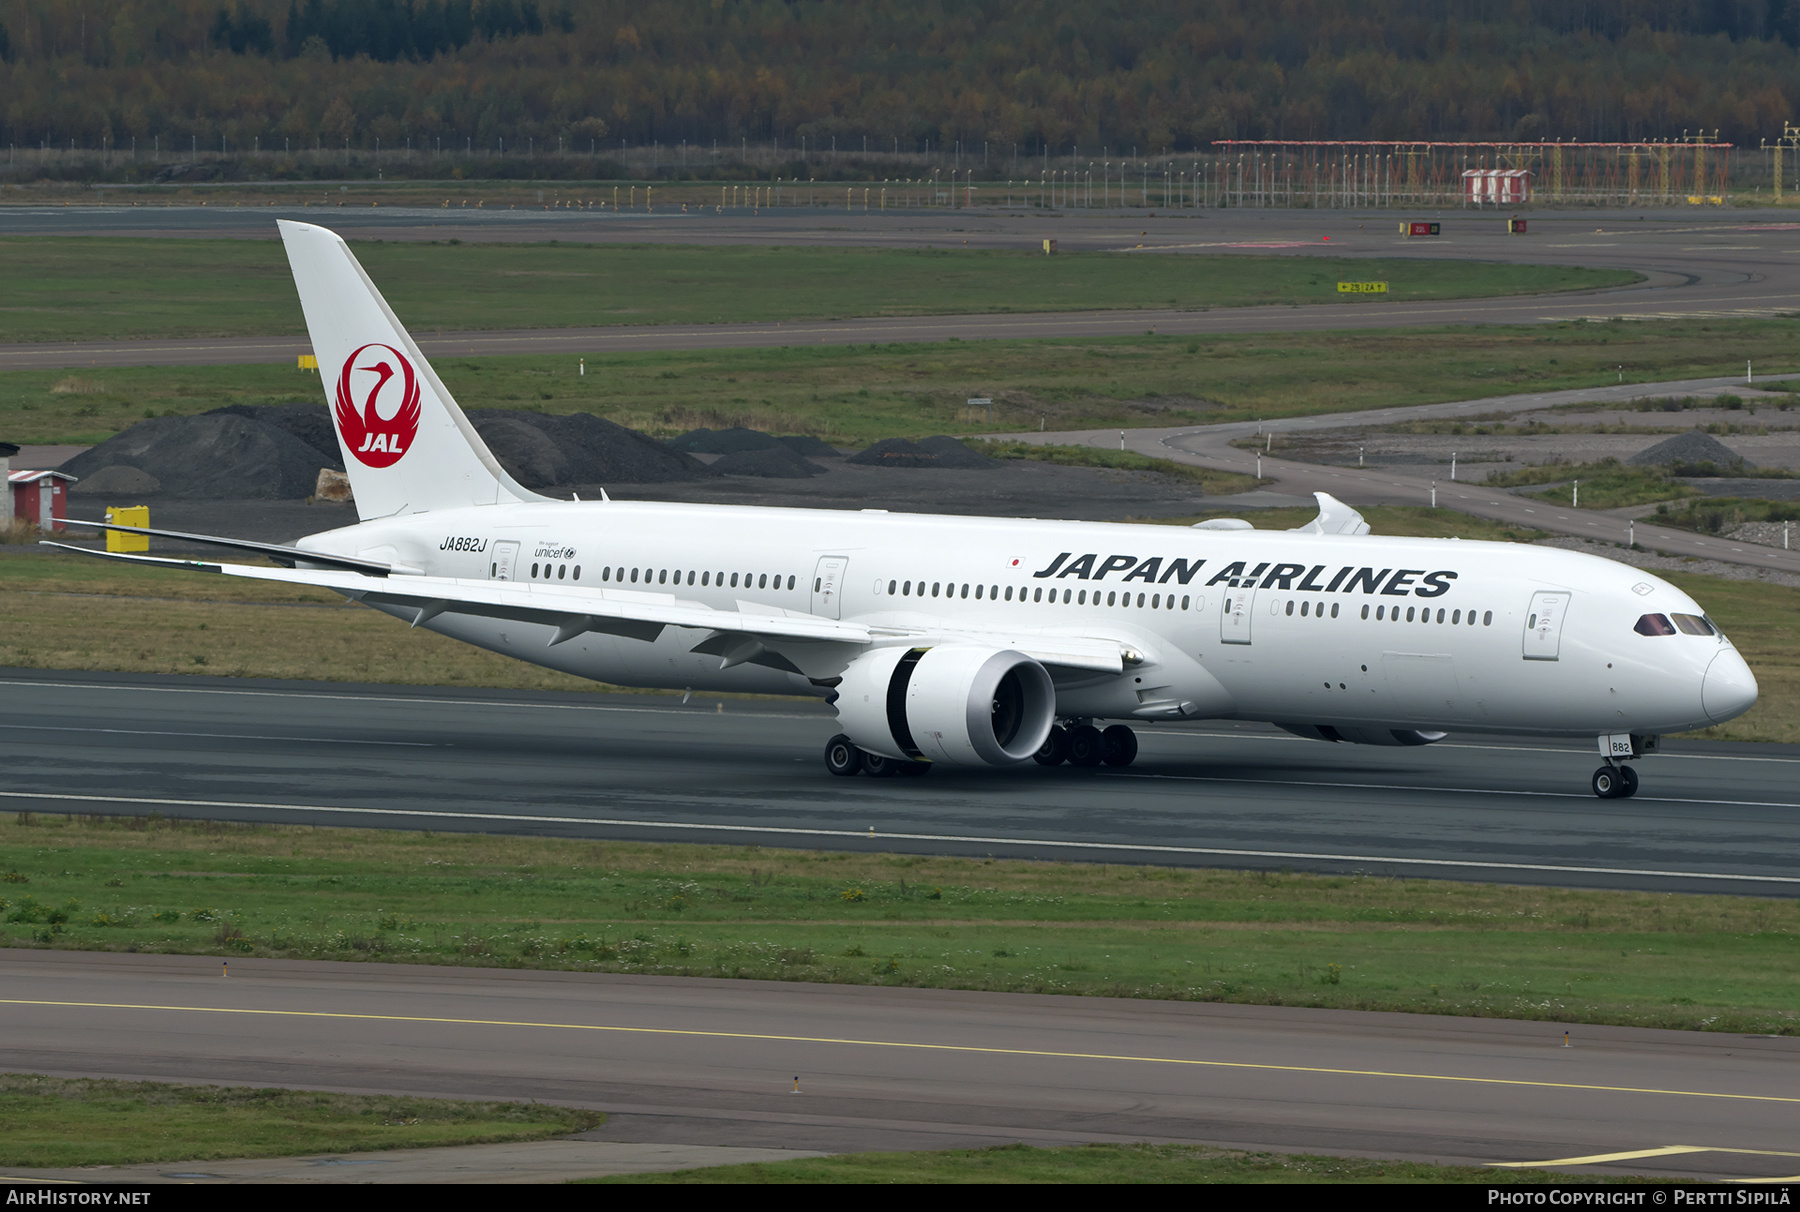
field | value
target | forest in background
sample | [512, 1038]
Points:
[1024, 75]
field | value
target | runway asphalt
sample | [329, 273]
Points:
[1710, 817]
[1724, 264]
[709, 1062]
[842, 1068]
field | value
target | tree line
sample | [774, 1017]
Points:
[1025, 77]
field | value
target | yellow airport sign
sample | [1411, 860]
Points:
[1362, 288]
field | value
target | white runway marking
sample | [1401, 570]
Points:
[872, 835]
[384, 698]
[226, 736]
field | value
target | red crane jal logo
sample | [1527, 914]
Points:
[377, 405]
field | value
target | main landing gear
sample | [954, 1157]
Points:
[1082, 744]
[1615, 782]
[844, 759]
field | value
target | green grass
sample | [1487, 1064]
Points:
[1607, 484]
[1715, 515]
[1563, 955]
[1110, 1164]
[68, 289]
[853, 395]
[54, 1122]
[1212, 483]
[73, 612]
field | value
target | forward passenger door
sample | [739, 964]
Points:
[1235, 614]
[1543, 625]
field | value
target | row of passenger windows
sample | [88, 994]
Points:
[1077, 597]
[1454, 617]
[1383, 613]
[1650, 624]
[750, 580]
[662, 576]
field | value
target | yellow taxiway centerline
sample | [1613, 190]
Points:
[878, 1043]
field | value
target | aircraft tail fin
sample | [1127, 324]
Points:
[407, 447]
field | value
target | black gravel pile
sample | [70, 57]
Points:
[775, 463]
[215, 456]
[117, 481]
[939, 451]
[551, 452]
[1690, 449]
[723, 441]
[810, 447]
[310, 421]
[738, 439]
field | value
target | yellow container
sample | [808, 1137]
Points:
[136, 515]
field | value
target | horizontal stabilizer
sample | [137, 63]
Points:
[279, 552]
[154, 561]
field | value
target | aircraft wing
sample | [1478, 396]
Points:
[738, 635]
[573, 611]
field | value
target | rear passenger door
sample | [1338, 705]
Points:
[506, 555]
[828, 586]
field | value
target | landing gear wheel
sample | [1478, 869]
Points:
[1118, 746]
[1629, 780]
[914, 770]
[842, 757]
[1609, 783]
[1055, 749]
[1085, 745]
[877, 766]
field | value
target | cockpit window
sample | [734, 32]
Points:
[1655, 624]
[1693, 624]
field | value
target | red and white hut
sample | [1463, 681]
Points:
[1497, 186]
[40, 497]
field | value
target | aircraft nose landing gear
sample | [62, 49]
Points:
[1615, 782]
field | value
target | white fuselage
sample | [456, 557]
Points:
[1286, 627]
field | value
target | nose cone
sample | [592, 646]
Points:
[1729, 689]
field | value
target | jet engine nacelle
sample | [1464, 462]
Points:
[959, 704]
[1372, 735]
